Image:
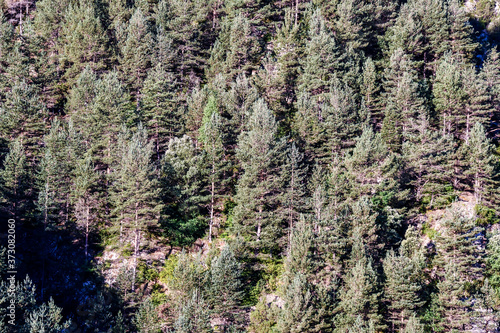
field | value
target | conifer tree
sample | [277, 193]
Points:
[321, 61]
[146, 318]
[186, 25]
[159, 112]
[184, 178]
[259, 188]
[56, 171]
[23, 115]
[481, 165]
[211, 135]
[46, 318]
[295, 173]
[404, 101]
[358, 296]
[352, 23]
[490, 77]
[83, 197]
[238, 104]
[371, 167]
[403, 286]
[288, 49]
[370, 88]
[194, 316]
[14, 178]
[83, 41]
[460, 258]
[297, 314]
[235, 51]
[136, 52]
[135, 192]
[428, 155]
[458, 98]
[225, 287]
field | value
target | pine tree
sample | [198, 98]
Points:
[459, 98]
[371, 168]
[490, 77]
[83, 197]
[159, 112]
[370, 88]
[146, 318]
[297, 314]
[481, 165]
[404, 100]
[331, 126]
[101, 121]
[46, 318]
[358, 296]
[321, 61]
[136, 52]
[194, 316]
[83, 41]
[56, 170]
[135, 193]
[403, 286]
[186, 25]
[14, 178]
[235, 51]
[428, 155]
[295, 173]
[23, 115]
[461, 32]
[460, 259]
[184, 178]
[225, 287]
[259, 188]
[353, 23]
[211, 135]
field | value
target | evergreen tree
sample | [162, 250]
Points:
[83, 41]
[403, 286]
[211, 135]
[371, 168]
[186, 25]
[297, 314]
[136, 52]
[14, 178]
[159, 112]
[46, 318]
[146, 318]
[259, 189]
[428, 155]
[194, 316]
[184, 178]
[358, 296]
[225, 287]
[23, 115]
[353, 23]
[235, 51]
[460, 258]
[135, 193]
[83, 197]
[481, 165]
[404, 101]
[294, 197]
[321, 61]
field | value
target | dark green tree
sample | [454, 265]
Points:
[135, 194]
[259, 190]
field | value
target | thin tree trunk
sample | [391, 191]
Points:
[87, 233]
[136, 246]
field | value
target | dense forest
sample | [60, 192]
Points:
[261, 166]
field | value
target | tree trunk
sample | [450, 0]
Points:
[136, 246]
